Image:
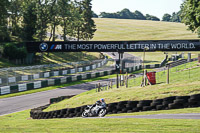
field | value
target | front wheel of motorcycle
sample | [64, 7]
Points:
[102, 113]
[84, 114]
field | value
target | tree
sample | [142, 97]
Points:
[42, 13]
[54, 18]
[166, 17]
[94, 15]
[190, 15]
[83, 24]
[89, 26]
[77, 20]
[126, 14]
[151, 17]
[64, 9]
[139, 15]
[4, 36]
[109, 15]
[176, 17]
[29, 20]
[11, 51]
[15, 15]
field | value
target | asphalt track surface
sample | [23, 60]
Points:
[24, 102]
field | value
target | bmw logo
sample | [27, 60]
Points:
[43, 47]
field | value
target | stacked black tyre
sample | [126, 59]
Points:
[172, 102]
[179, 102]
[194, 100]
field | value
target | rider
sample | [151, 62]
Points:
[103, 103]
[99, 104]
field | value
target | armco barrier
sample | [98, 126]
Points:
[47, 74]
[172, 102]
[57, 81]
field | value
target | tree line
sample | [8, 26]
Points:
[127, 14]
[30, 20]
[175, 17]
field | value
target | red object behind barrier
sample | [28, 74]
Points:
[152, 77]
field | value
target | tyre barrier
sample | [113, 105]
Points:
[172, 102]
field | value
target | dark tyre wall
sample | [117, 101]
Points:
[172, 102]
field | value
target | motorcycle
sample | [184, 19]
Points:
[91, 111]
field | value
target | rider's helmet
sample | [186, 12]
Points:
[102, 100]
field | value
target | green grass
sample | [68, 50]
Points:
[21, 122]
[124, 29]
[174, 111]
[150, 57]
[56, 58]
[180, 85]
[66, 57]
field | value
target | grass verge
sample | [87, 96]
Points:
[21, 122]
[174, 111]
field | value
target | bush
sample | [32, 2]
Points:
[11, 51]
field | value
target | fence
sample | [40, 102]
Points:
[179, 71]
[10, 76]
[186, 73]
[51, 82]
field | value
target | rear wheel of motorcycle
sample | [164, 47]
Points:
[102, 113]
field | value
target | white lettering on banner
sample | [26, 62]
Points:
[162, 45]
[58, 47]
[47, 74]
[55, 73]
[64, 72]
[25, 78]
[22, 87]
[0, 81]
[11, 79]
[183, 46]
[87, 68]
[5, 90]
[73, 71]
[80, 69]
[37, 85]
[36, 76]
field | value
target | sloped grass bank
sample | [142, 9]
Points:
[180, 86]
[125, 29]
